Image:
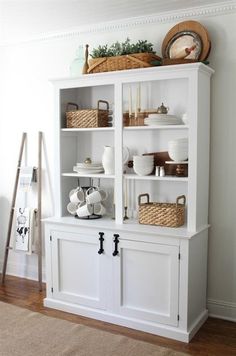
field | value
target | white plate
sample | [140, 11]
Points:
[176, 162]
[162, 122]
[89, 171]
[90, 168]
[89, 165]
[162, 116]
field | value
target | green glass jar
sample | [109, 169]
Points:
[77, 64]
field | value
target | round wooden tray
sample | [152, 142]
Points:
[189, 26]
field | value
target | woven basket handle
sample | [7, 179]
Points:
[179, 198]
[72, 104]
[141, 196]
[105, 102]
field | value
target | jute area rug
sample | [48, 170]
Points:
[26, 333]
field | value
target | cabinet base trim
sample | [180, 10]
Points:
[157, 329]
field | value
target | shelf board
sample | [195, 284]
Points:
[77, 175]
[153, 177]
[131, 225]
[156, 127]
[127, 128]
[84, 129]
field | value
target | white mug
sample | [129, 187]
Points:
[185, 118]
[72, 207]
[96, 196]
[84, 210]
[99, 209]
[77, 195]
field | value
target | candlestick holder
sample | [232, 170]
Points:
[130, 120]
[113, 212]
[126, 216]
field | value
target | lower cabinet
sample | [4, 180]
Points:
[139, 278]
[152, 283]
[147, 276]
[79, 272]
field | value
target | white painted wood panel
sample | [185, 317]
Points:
[78, 269]
[148, 275]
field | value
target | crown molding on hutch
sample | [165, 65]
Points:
[129, 23]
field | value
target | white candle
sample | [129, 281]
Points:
[126, 193]
[136, 103]
[130, 101]
[139, 96]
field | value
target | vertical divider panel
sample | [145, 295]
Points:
[118, 141]
[57, 203]
[192, 169]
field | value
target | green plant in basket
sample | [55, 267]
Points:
[119, 49]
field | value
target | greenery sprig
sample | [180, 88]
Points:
[119, 49]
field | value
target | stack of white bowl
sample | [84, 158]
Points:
[178, 149]
[143, 165]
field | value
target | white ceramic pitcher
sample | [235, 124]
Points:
[108, 160]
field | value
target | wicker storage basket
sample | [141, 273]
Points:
[162, 214]
[86, 118]
[128, 61]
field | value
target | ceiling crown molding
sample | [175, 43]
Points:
[216, 9]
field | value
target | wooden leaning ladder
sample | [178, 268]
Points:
[10, 223]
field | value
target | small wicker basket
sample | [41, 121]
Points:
[86, 118]
[128, 61]
[162, 214]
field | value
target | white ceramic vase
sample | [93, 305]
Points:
[108, 160]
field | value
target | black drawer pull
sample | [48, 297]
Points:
[101, 239]
[116, 241]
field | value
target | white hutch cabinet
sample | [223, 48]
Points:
[145, 277]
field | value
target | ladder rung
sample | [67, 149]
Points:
[11, 248]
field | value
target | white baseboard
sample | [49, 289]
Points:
[222, 310]
[23, 271]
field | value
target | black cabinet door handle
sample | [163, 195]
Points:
[101, 239]
[116, 241]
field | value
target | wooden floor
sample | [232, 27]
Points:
[216, 337]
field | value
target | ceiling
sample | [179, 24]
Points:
[23, 18]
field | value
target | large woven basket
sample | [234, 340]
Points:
[128, 61]
[85, 118]
[162, 214]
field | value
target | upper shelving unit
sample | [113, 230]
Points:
[182, 88]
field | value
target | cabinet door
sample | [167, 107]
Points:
[147, 278]
[79, 272]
